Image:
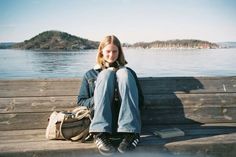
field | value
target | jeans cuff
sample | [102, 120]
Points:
[128, 130]
[99, 130]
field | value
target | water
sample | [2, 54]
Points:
[21, 64]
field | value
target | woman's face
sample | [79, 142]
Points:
[110, 53]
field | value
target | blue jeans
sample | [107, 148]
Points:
[129, 113]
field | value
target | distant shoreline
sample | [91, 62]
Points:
[62, 41]
[169, 48]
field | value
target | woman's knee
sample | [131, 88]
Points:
[123, 74]
[106, 75]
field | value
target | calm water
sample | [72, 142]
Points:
[20, 64]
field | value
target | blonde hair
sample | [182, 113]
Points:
[110, 39]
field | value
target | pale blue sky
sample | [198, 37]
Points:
[130, 20]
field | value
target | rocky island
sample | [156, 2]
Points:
[177, 44]
[56, 41]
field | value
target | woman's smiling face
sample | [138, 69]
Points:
[110, 53]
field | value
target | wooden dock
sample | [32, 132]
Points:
[203, 107]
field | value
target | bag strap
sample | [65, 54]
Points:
[82, 136]
[79, 112]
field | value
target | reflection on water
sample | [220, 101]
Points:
[15, 64]
[55, 62]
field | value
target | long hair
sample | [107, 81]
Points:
[110, 39]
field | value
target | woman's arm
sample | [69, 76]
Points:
[85, 98]
[140, 92]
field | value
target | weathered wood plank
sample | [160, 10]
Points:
[187, 115]
[37, 148]
[37, 104]
[191, 131]
[36, 88]
[14, 136]
[167, 101]
[59, 87]
[217, 146]
[172, 85]
[194, 129]
[219, 100]
[13, 88]
[19, 121]
[177, 117]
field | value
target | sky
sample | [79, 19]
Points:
[130, 20]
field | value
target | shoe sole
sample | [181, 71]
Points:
[121, 151]
[106, 153]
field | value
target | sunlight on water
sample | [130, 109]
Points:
[18, 64]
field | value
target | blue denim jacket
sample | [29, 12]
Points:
[85, 97]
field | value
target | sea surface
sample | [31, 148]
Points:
[25, 64]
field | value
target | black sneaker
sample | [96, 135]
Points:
[104, 144]
[129, 142]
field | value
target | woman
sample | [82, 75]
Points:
[112, 90]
